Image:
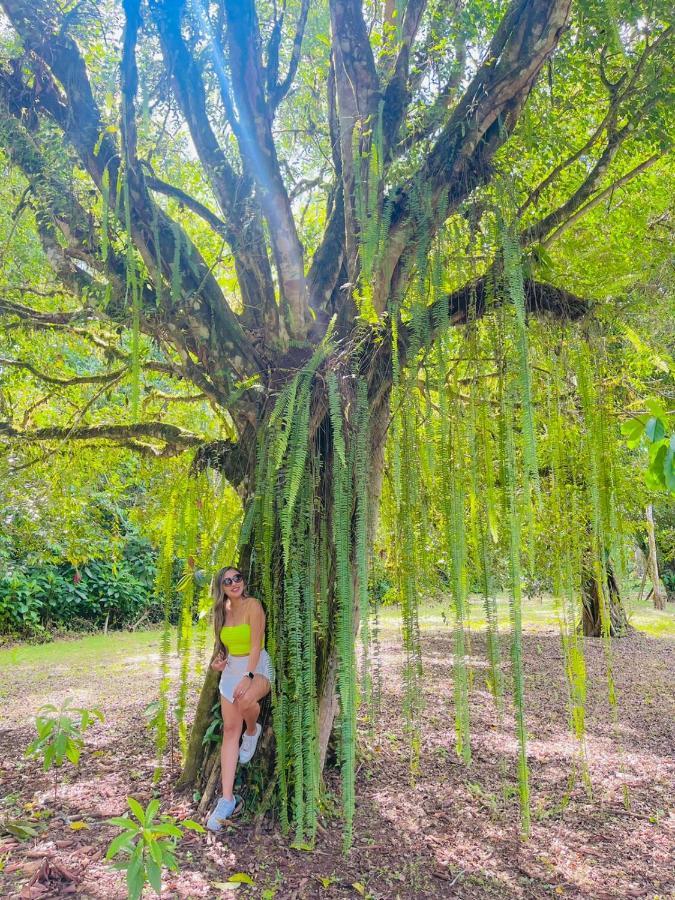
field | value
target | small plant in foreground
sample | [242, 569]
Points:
[149, 845]
[61, 735]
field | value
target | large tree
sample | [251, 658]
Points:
[256, 190]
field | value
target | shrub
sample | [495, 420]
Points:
[60, 736]
[34, 600]
[146, 845]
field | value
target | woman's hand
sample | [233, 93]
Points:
[240, 691]
[219, 662]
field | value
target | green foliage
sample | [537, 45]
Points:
[200, 530]
[61, 735]
[654, 431]
[35, 600]
[148, 845]
[513, 516]
[342, 510]
[21, 829]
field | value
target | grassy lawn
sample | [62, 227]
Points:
[99, 653]
[92, 670]
[83, 652]
[539, 614]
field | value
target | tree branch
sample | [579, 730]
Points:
[245, 233]
[205, 322]
[163, 187]
[436, 112]
[101, 378]
[280, 89]
[618, 95]
[257, 145]
[358, 95]
[397, 93]
[161, 431]
[479, 125]
[47, 318]
[540, 229]
[474, 300]
[607, 192]
[229, 457]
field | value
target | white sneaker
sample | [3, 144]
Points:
[248, 744]
[224, 809]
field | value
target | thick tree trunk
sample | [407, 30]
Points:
[201, 768]
[591, 620]
[658, 591]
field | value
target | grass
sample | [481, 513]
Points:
[539, 614]
[99, 653]
[94, 670]
[94, 649]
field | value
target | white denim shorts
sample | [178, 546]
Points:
[235, 669]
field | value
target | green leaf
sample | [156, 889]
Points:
[240, 878]
[60, 746]
[656, 472]
[193, 826]
[73, 752]
[154, 876]
[121, 841]
[169, 859]
[669, 465]
[151, 811]
[122, 822]
[632, 430]
[167, 828]
[50, 753]
[155, 851]
[655, 429]
[136, 809]
[657, 409]
[18, 829]
[136, 876]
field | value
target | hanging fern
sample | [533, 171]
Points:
[513, 276]
[189, 527]
[451, 509]
[513, 513]
[105, 215]
[342, 506]
[164, 589]
[361, 533]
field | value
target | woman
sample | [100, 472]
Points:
[247, 673]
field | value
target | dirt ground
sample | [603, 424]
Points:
[449, 832]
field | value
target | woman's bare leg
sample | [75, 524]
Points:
[229, 749]
[249, 706]
[251, 714]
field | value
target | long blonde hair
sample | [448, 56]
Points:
[221, 603]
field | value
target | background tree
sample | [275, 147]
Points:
[286, 208]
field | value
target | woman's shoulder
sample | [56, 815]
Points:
[255, 606]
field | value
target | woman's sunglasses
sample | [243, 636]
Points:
[234, 580]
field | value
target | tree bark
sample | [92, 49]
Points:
[592, 600]
[659, 593]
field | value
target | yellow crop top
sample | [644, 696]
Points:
[237, 639]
